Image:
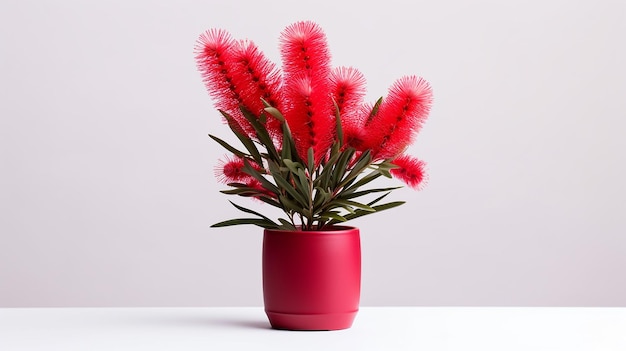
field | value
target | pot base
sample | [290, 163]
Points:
[328, 321]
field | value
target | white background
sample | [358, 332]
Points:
[107, 187]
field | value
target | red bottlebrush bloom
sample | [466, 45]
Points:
[214, 59]
[230, 170]
[229, 70]
[354, 133]
[410, 170]
[347, 86]
[257, 78]
[306, 67]
[309, 118]
[304, 49]
[399, 117]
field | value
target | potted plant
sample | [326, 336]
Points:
[311, 147]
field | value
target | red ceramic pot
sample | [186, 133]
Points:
[312, 279]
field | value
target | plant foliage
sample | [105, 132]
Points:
[309, 146]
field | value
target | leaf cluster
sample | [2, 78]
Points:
[312, 196]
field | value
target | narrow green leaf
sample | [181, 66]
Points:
[275, 113]
[285, 185]
[354, 204]
[338, 124]
[228, 147]
[286, 225]
[261, 131]
[304, 186]
[244, 139]
[353, 195]
[247, 210]
[377, 199]
[248, 169]
[241, 221]
[361, 182]
[311, 160]
[270, 201]
[374, 111]
[360, 213]
[340, 168]
[364, 161]
[333, 215]
[242, 192]
[292, 166]
[289, 205]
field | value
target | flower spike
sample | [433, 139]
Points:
[399, 118]
[309, 108]
[410, 170]
[259, 81]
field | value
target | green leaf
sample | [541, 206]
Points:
[228, 146]
[273, 111]
[292, 166]
[289, 205]
[374, 111]
[321, 197]
[248, 169]
[333, 215]
[270, 201]
[286, 225]
[348, 203]
[360, 213]
[240, 221]
[364, 161]
[361, 182]
[311, 160]
[338, 124]
[247, 210]
[242, 192]
[244, 139]
[340, 168]
[352, 195]
[304, 186]
[323, 180]
[285, 185]
[261, 132]
[378, 199]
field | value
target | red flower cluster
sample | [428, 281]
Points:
[308, 91]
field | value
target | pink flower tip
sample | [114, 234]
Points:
[410, 170]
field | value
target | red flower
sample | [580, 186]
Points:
[399, 117]
[306, 67]
[348, 89]
[230, 170]
[237, 74]
[257, 78]
[304, 48]
[410, 170]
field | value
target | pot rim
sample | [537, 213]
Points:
[335, 229]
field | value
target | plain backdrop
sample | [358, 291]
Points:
[107, 186]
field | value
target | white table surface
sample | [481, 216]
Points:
[375, 328]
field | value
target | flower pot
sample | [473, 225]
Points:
[312, 279]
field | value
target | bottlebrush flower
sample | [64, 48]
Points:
[257, 78]
[309, 118]
[306, 66]
[347, 86]
[399, 117]
[230, 170]
[236, 75]
[410, 170]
